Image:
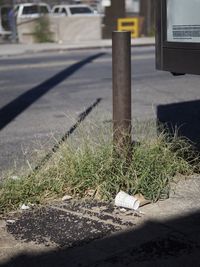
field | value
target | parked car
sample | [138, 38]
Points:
[73, 10]
[31, 10]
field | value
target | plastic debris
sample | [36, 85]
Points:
[123, 210]
[124, 200]
[66, 197]
[90, 192]
[10, 221]
[142, 199]
[24, 207]
[15, 177]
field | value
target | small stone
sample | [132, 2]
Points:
[90, 192]
[123, 210]
[66, 197]
[24, 207]
[2, 224]
[10, 221]
[15, 177]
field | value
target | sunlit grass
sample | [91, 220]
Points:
[86, 163]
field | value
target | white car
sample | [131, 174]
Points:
[30, 10]
[73, 10]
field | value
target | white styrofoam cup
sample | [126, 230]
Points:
[124, 200]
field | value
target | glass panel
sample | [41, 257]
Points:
[27, 10]
[44, 10]
[63, 11]
[183, 21]
[80, 10]
[56, 10]
[35, 9]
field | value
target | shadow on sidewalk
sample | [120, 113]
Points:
[182, 117]
[174, 242]
[22, 102]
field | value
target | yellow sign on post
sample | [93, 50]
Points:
[129, 24]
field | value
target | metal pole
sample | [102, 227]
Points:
[121, 65]
[148, 17]
[14, 23]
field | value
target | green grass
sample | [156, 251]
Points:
[42, 33]
[86, 165]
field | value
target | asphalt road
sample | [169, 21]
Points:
[41, 96]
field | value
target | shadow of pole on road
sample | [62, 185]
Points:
[10, 111]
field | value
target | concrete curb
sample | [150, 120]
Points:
[19, 49]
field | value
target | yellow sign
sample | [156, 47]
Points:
[129, 24]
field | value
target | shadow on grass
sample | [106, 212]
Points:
[22, 102]
[174, 242]
[55, 148]
[182, 117]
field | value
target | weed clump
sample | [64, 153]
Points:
[86, 166]
[42, 33]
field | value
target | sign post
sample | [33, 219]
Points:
[178, 36]
[121, 62]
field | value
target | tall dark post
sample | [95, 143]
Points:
[121, 60]
[147, 11]
[112, 14]
[14, 23]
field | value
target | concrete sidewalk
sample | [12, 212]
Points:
[75, 233]
[17, 49]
